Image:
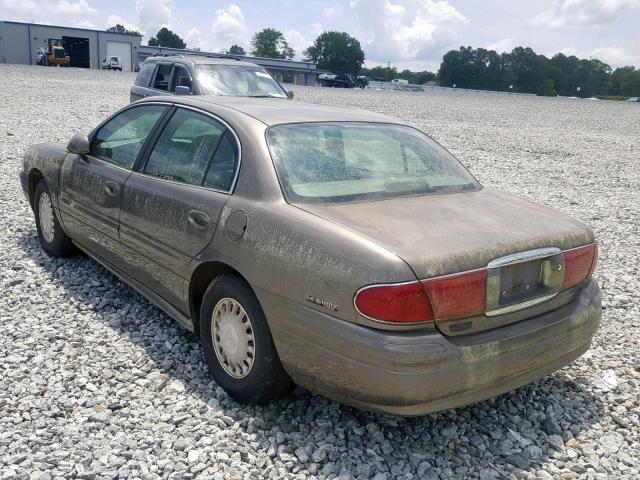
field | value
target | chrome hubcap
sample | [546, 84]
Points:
[45, 210]
[232, 336]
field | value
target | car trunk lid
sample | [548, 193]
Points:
[452, 233]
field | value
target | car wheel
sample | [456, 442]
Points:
[52, 238]
[237, 343]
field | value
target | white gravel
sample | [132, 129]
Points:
[97, 383]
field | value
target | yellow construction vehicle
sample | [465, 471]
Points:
[55, 54]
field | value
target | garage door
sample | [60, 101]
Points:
[122, 50]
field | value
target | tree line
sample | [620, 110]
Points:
[521, 70]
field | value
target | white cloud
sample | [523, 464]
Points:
[77, 8]
[228, 28]
[616, 57]
[570, 13]
[195, 39]
[153, 15]
[316, 29]
[391, 31]
[504, 45]
[64, 12]
[297, 41]
[113, 20]
[332, 11]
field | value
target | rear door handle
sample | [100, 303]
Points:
[198, 218]
[111, 188]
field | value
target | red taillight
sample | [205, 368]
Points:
[458, 296]
[579, 264]
[403, 303]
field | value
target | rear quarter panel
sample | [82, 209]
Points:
[300, 257]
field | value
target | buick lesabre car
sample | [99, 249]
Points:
[333, 248]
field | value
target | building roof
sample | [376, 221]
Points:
[46, 25]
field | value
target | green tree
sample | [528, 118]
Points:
[117, 28]
[166, 38]
[236, 50]
[337, 52]
[270, 43]
[386, 74]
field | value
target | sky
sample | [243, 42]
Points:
[411, 34]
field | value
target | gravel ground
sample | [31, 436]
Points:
[97, 383]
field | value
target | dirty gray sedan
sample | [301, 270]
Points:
[338, 249]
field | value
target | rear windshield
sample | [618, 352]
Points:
[237, 81]
[337, 162]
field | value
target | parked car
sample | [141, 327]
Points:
[223, 75]
[334, 248]
[112, 63]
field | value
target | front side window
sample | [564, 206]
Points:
[187, 149]
[120, 140]
[344, 161]
[163, 75]
[237, 81]
[181, 78]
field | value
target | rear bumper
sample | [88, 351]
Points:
[414, 373]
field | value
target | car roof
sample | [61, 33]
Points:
[201, 60]
[275, 111]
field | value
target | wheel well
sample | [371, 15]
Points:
[32, 181]
[200, 280]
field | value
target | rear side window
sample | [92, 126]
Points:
[163, 75]
[223, 167]
[185, 148]
[144, 75]
[120, 140]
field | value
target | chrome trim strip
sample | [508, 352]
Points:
[520, 306]
[522, 257]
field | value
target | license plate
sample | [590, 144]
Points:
[522, 280]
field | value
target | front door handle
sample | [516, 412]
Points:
[198, 218]
[111, 188]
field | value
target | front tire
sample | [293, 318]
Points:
[52, 238]
[237, 343]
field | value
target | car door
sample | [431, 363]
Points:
[92, 184]
[153, 79]
[171, 205]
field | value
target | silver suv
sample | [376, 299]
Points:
[223, 75]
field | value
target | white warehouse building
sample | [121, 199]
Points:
[19, 43]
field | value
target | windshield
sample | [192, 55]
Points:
[237, 81]
[334, 162]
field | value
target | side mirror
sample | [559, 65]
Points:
[182, 90]
[289, 94]
[79, 144]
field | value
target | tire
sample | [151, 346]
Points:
[265, 378]
[52, 238]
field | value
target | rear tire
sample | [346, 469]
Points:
[52, 238]
[240, 353]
